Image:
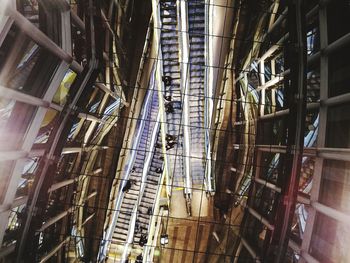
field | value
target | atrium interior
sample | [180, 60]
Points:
[186, 131]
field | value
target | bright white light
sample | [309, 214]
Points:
[164, 239]
[5, 3]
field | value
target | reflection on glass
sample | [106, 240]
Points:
[330, 240]
[335, 185]
[6, 107]
[60, 96]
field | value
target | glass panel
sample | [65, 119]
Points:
[311, 129]
[24, 66]
[73, 130]
[19, 55]
[30, 9]
[65, 166]
[6, 107]
[95, 101]
[27, 180]
[335, 185]
[307, 172]
[279, 64]
[60, 96]
[14, 121]
[271, 132]
[245, 256]
[338, 127]
[313, 40]
[110, 112]
[269, 166]
[5, 172]
[339, 68]
[268, 73]
[338, 19]
[299, 222]
[330, 240]
[47, 126]
[46, 15]
[291, 256]
[80, 137]
[270, 102]
[279, 98]
[15, 220]
[313, 85]
[264, 200]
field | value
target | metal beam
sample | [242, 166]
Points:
[300, 198]
[61, 215]
[77, 21]
[273, 48]
[90, 117]
[5, 25]
[88, 219]
[261, 108]
[13, 94]
[278, 22]
[336, 45]
[97, 171]
[344, 98]
[331, 212]
[19, 201]
[308, 258]
[16, 155]
[35, 101]
[55, 219]
[13, 155]
[303, 199]
[329, 49]
[111, 93]
[296, 248]
[334, 153]
[250, 250]
[209, 86]
[54, 250]
[5, 251]
[324, 152]
[16, 202]
[309, 106]
[260, 218]
[91, 195]
[60, 185]
[69, 150]
[267, 184]
[274, 81]
[106, 22]
[321, 137]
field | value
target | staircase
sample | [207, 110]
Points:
[171, 68]
[196, 10]
[130, 197]
[149, 195]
